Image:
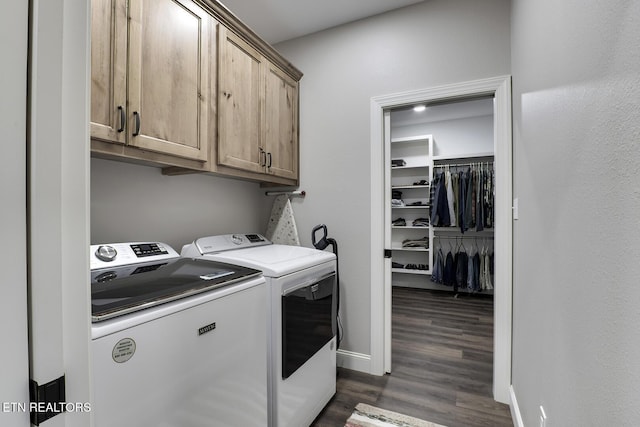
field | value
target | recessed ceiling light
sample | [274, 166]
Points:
[419, 108]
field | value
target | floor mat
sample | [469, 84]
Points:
[369, 416]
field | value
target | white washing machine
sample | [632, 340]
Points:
[302, 301]
[176, 342]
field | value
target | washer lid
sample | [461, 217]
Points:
[275, 260]
[121, 290]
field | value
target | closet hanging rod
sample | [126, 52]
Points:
[300, 193]
[457, 165]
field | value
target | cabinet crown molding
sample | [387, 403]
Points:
[233, 23]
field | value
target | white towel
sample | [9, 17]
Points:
[282, 225]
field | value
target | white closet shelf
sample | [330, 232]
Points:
[410, 207]
[411, 271]
[411, 138]
[456, 229]
[463, 156]
[410, 249]
[410, 167]
[407, 187]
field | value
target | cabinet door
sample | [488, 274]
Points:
[108, 70]
[240, 104]
[281, 124]
[169, 87]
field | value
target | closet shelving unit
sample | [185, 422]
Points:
[413, 181]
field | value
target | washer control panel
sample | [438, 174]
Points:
[119, 254]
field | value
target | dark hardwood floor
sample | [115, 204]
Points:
[442, 365]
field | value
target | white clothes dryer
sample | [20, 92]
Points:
[302, 301]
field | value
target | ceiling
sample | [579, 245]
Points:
[443, 111]
[280, 20]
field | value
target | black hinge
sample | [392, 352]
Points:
[47, 400]
[387, 253]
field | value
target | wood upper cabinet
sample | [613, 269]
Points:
[281, 138]
[240, 104]
[185, 85]
[257, 111]
[168, 59]
[109, 70]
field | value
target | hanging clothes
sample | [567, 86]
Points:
[463, 198]
[463, 271]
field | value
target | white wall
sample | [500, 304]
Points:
[458, 137]
[14, 364]
[428, 44]
[576, 340]
[131, 202]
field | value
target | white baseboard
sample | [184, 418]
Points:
[352, 360]
[515, 409]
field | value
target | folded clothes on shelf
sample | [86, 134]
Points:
[416, 267]
[397, 203]
[396, 194]
[421, 222]
[397, 162]
[399, 222]
[416, 243]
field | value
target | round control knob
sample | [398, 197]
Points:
[106, 253]
[236, 239]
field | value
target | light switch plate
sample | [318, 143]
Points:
[543, 417]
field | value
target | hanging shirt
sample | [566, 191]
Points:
[450, 199]
[440, 212]
[480, 202]
[462, 200]
[449, 274]
[455, 179]
[438, 266]
[486, 271]
[476, 272]
[462, 260]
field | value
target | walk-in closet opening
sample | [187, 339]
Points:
[444, 192]
[439, 227]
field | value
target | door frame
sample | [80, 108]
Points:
[58, 200]
[14, 368]
[500, 88]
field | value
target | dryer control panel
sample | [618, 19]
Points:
[222, 243]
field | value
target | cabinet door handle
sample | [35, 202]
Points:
[136, 116]
[269, 161]
[263, 157]
[122, 118]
